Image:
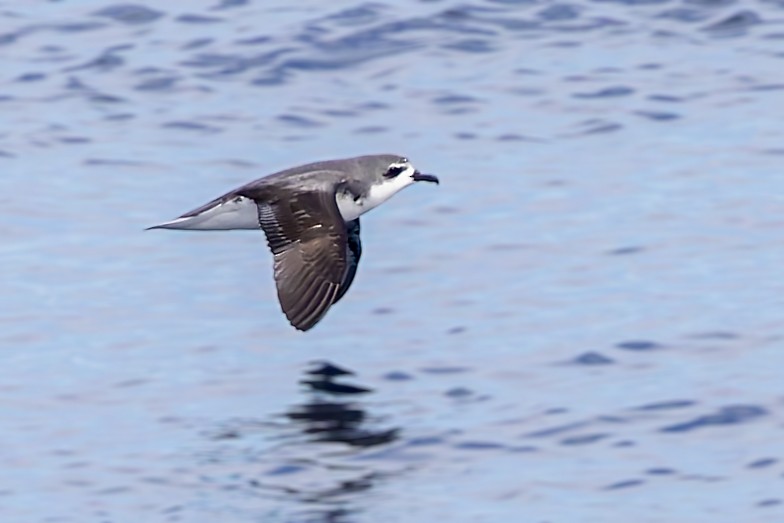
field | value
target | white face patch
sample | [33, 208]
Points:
[352, 209]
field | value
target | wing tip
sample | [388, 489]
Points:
[306, 318]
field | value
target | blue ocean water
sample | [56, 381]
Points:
[583, 322]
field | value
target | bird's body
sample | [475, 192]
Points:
[310, 215]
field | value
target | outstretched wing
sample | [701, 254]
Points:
[308, 238]
[353, 252]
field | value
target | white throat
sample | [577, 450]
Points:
[352, 209]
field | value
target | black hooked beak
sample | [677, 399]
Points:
[419, 177]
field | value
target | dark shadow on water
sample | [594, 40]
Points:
[727, 415]
[316, 474]
[327, 419]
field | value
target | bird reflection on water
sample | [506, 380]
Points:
[334, 416]
[330, 420]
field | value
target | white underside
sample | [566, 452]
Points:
[378, 194]
[350, 209]
[238, 213]
[242, 213]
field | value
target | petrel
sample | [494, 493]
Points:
[310, 216]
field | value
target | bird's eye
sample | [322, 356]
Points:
[394, 170]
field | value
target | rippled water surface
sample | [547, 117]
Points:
[583, 322]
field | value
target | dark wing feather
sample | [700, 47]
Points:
[353, 252]
[308, 238]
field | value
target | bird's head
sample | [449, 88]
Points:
[398, 170]
[387, 174]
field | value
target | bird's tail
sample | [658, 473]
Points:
[222, 214]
